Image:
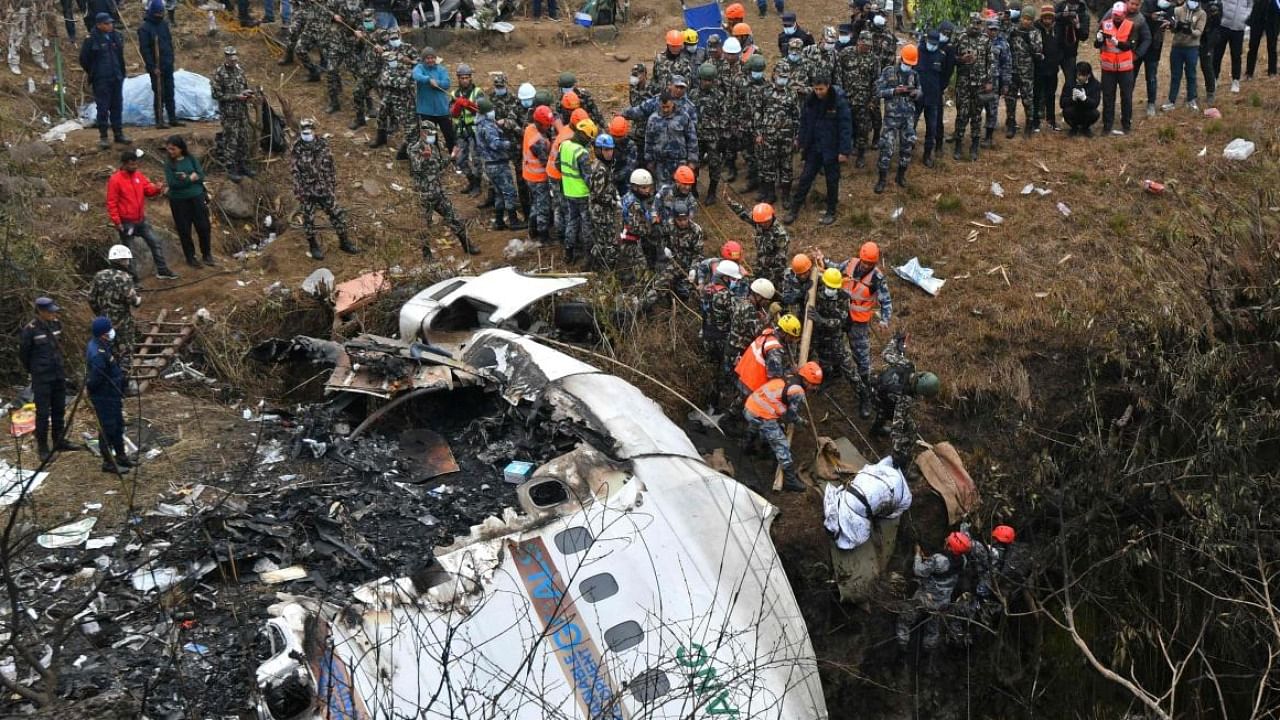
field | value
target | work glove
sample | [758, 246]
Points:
[1124, 45]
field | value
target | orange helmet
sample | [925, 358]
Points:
[735, 12]
[801, 264]
[675, 39]
[542, 115]
[958, 543]
[684, 175]
[619, 127]
[811, 372]
[731, 250]
[741, 30]
[578, 116]
[910, 55]
[988, 13]
[762, 213]
[1003, 534]
[570, 101]
[869, 253]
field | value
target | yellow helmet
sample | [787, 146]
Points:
[789, 324]
[587, 127]
[832, 278]
[690, 36]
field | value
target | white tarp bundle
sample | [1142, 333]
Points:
[885, 490]
[920, 276]
[192, 95]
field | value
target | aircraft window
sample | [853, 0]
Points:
[624, 636]
[650, 685]
[573, 540]
[598, 587]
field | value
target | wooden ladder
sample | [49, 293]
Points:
[161, 345]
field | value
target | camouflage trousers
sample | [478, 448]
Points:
[902, 131]
[434, 200]
[504, 188]
[26, 24]
[540, 205]
[577, 224]
[235, 139]
[328, 203]
[468, 159]
[930, 620]
[834, 357]
[362, 93]
[623, 259]
[605, 224]
[712, 151]
[968, 109]
[774, 158]
[863, 125]
[1023, 85]
[303, 40]
[336, 56]
[992, 110]
[398, 110]
[771, 431]
[557, 209]
[860, 343]
[122, 347]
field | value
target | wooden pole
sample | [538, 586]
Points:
[806, 335]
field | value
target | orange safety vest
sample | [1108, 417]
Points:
[1112, 58]
[751, 367]
[553, 168]
[534, 170]
[769, 401]
[863, 297]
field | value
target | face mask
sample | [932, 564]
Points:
[394, 43]
[1164, 4]
[828, 292]
[793, 57]
[757, 74]
[780, 82]
[1192, 5]
[904, 67]
[943, 37]
[369, 25]
[931, 47]
[392, 64]
[111, 334]
[1014, 14]
[565, 91]
[633, 80]
[846, 39]
[789, 30]
[431, 139]
[527, 104]
[879, 21]
[491, 114]
[500, 91]
[307, 136]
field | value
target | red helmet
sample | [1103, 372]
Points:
[958, 543]
[731, 250]
[542, 115]
[684, 175]
[1003, 534]
[811, 372]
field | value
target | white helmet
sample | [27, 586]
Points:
[730, 269]
[732, 46]
[526, 91]
[641, 177]
[119, 252]
[762, 287]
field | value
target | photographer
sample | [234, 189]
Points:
[1070, 28]
[1157, 13]
[1188, 24]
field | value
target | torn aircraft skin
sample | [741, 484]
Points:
[632, 580]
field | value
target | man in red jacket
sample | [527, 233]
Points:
[127, 193]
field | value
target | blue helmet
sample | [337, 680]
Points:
[604, 140]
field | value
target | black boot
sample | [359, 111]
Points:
[955, 154]
[334, 105]
[472, 184]
[103, 141]
[1010, 130]
[753, 182]
[514, 222]
[499, 222]
[864, 400]
[882, 181]
[465, 242]
[314, 249]
[426, 250]
[791, 479]
[246, 171]
[489, 198]
[986, 138]
[402, 153]
[122, 139]
[42, 449]
[928, 157]
[379, 139]
[360, 120]
[122, 460]
[784, 192]
[288, 57]
[731, 175]
[973, 150]
[346, 246]
[313, 73]
[712, 187]
[901, 179]
[860, 160]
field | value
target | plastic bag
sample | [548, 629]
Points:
[192, 96]
[1238, 149]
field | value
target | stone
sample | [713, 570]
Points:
[371, 187]
[235, 201]
[13, 186]
[29, 151]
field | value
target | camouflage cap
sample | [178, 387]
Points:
[308, 122]
[230, 50]
[714, 41]
[864, 36]
[499, 78]
[795, 44]
[367, 13]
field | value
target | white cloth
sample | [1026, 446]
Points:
[845, 516]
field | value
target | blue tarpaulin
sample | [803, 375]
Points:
[706, 20]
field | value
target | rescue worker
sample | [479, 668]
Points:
[1117, 57]
[671, 138]
[899, 87]
[709, 99]
[693, 54]
[640, 229]
[535, 150]
[717, 310]
[638, 90]
[775, 123]
[934, 71]
[569, 84]
[156, 45]
[510, 116]
[102, 59]
[463, 109]
[897, 386]
[602, 205]
[104, 383]
[772, 242]
[748, 317]
[938, 575]
[867, 285]
[231, 91]
[40, 351]
[427, 162]
[398, 88]
[751, 95]
[974, 79]
[315, 185]
[685, 239]
[769, 354]
[626, 152]
[824, 144]
[303, 35]
[1002, 77]
[680, 189]
[830, 318]
[859, 71]
[794, 290]
[555, 185]
[701, 274]
[26, 23]
[998, 564]
[574, 161]
[670, 62]
[112, 294]
[775, 403]
[1027, 49]
[366, 63]
[493, 150]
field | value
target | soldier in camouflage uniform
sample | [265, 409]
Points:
[864, 281]
[569, 84]
[717, 312]
[897, 386]
[794, 290]
[973, 78]
[899, 88]
[493, 150]
[713, 125]
[754, 89]
[772, 242]
[794, 63]
[830, 324]
[339, 48]
[510, 115]
[733, 77]
[113, 295]
[365, 67]
[820, 59]
[637, 92]
[304, 35]
[1026, 47]
[1002, 75]
[775, 123]
[859, 71]
[626, 155]
[637, 245]
[463, 108]
[686, 240]
[315, 184]
[399, 104]
[539, 216]
[671, 138]
[427, 162]
[678, 190]
[748, 316]
[603, 204]
[670, 62]
[231, 90]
